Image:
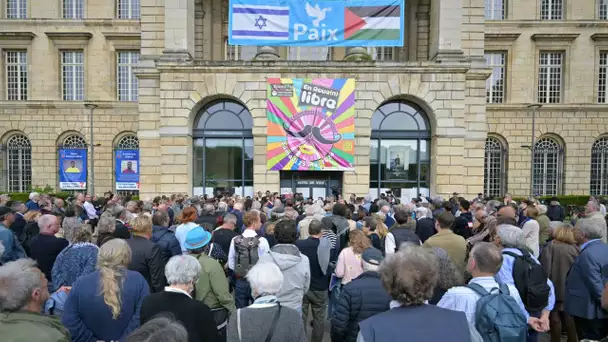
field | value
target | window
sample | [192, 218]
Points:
[223, 149]
[16, 75]
[494, 174]
[602, 91]
[550, 69]
[19, 152]
[603, 9]
[72, 71]
[382, 54]
[128, 9]
[74, 141]
[495, 9]
[127, 83]
[16, 9]
[552, 10]
[239, 52]
[297, 53]
[547, 168]
[73, 9]
[400, 150]
[128, 142]
[599, 167]
[495, 84]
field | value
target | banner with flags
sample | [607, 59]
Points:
[316, 23]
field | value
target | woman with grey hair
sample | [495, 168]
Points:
[266, 319]
[449, 276]
[160, 329]
[182, 272]
[105, 228]
[410, 276]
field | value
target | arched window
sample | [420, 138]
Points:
[74, 141]
[599, 167]
[400, 150]
[19, 163]
[223, 149]
[547, 168]
[128, 142]
[494, 173]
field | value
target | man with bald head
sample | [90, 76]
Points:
[165, 208]
[45, 246]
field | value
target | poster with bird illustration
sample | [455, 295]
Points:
[311, 124]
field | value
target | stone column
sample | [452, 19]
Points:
[356, 53]
[179, 28]
[267, 53]
[446, 31]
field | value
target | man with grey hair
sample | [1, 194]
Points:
[45, 247]
[515, 258]
[544, 224]
[592, 212]
[182, 273]
[385, 208]
[224, 234]
[23, 293]
[309, 211]
[4, 199]
[585, 282]
[208, 215]
[360, 299]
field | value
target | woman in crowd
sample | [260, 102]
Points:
[104, 305]
[449, 276]
[105, 228]
[557, 258]
[76, 260]
[160, 329]
[370, 229]
[531, 230]
[182, 273]
[71, 222]
[186, 219]
[349, 265]
[266, 319]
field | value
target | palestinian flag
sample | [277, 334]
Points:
[372, 23]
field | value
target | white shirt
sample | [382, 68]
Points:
[389, 244]
[182, 231]
[263, 247]
[91, 212]
[173, 289]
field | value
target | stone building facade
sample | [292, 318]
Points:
[184, 65]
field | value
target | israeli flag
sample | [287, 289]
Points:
[258, 22]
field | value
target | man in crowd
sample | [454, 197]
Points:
[18, 225]
[224, 234]
[58, 208]
[12, 247]
[404, 231]
[592, 212]
[453, 244]
[208, 215]
[237, 210]
[32, 204]
[385, 208]
[45, 247]
[463, 224]
[425, 226]
[163, 237]
[23, 293]
[90, 209]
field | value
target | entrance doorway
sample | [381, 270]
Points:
[312, 184]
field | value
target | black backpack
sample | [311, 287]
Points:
[531, 281]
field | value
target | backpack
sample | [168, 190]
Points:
[531, 281]
[246, 254]
[498, 317]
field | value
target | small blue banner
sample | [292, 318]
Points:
[127, 169]
[72, 169]
[316, 23]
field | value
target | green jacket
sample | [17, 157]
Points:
[544, 224]
[23, 326]
[212, 286]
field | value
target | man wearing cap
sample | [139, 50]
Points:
[360, 299]
[12, 248]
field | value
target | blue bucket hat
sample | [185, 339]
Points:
[197, 238]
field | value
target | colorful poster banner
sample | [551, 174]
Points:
[311, 124]
[316, 23]
[127, 169]
[72, 169]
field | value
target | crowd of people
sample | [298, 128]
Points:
[230, 268]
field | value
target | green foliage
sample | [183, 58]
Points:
[564, 200]
[135, 198]
[25, 196]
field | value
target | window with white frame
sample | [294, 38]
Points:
[128, 9]
[547, 167]
[127, 83]
[19, 162]
[73, 9]
[382, 53]
[603, 9]
[602, 90]
[72, 75]
[316, 53]
[550, 76]
[239, 52]
[494, 174]
[599, 167]
[495, 9]
[495, 84]
[16, 75]
[552, 9]
[16, 9]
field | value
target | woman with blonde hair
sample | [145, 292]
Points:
[349, 264]
[146, 255]
[104, 305]
[557, 257]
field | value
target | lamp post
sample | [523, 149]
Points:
[92, 107]
[534, 107]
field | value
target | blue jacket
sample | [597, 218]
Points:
[359, 300]
[31, 205]
[166, 241]
[73, 262]
[89, 319]
[12, 248]
[585, 283]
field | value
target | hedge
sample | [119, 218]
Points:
[564, 200]
[25, 196]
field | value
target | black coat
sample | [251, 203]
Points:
[554, 213]
[359, 300]
[18, 227]
[121, 231]
[461, 225]
[425, 228]
[146, 258]
[210, 219]
[166, 241]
